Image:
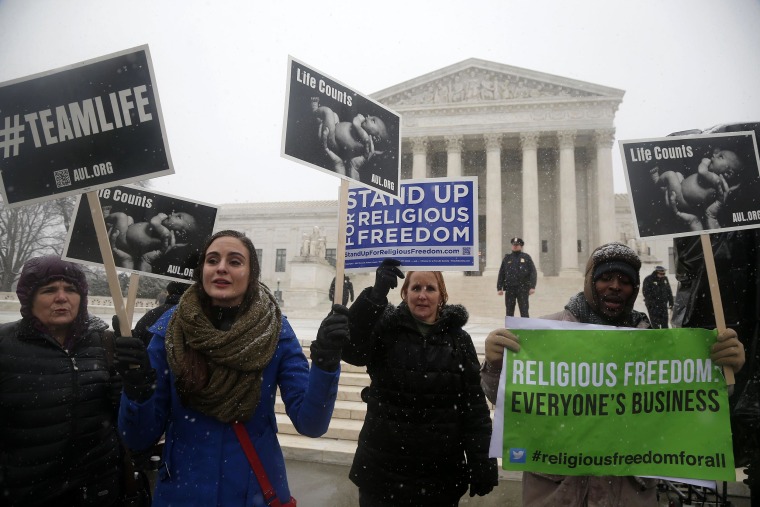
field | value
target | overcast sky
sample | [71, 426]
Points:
[221, 65]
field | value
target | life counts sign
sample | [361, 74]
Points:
[150, 233]
[688, 185]
[90, 125]
[333, 128]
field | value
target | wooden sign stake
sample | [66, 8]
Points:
[125, 323]
[712, 277]
[340, 253]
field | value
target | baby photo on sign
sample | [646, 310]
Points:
[149, 233]
[335, 129]
[685, 185]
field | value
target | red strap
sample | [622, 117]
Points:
[270, 497]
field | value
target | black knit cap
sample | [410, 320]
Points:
[611, 257]
[614, 257]
[617, 266]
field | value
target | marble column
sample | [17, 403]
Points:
[568, 209]
[530, 226]
[493, 203]
[419, 163]
[605, 190]
[454, 170]
[454, 156]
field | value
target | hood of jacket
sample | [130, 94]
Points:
[448, 316]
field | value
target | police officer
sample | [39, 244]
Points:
[658, 297]
[517, 278]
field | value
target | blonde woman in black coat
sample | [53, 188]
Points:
[426, 434]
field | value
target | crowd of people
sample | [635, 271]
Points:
[202, 374]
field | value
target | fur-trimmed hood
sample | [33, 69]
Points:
[449, 316]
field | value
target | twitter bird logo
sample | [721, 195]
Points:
[517, 455]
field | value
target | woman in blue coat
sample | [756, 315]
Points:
[216, 358]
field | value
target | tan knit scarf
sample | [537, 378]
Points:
[236, 358]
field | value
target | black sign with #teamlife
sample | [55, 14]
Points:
[83, 127]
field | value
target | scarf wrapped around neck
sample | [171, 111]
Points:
[582, 310]
[235, 359]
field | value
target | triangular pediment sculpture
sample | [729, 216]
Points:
[476, 81]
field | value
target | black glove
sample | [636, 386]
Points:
[480, 488]
[115, 325]
[114, 390]
[332, 335]
[133, 366]
[484, 476]
[386, 278]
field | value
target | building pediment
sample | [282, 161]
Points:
[473, 82]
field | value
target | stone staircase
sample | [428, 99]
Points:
[338, 445]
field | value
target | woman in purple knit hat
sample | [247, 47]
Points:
[58, 397]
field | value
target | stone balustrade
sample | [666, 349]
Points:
[96, 304]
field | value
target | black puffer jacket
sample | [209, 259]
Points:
[428, 426]
[57, 418]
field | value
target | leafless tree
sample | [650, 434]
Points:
[33, 230]
[29, 231]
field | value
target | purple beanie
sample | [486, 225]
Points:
[39, 271]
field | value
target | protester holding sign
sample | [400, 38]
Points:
[218, 358]
[426, 435]
[58, 398]
[610, 290]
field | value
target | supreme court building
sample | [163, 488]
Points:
[540, 145]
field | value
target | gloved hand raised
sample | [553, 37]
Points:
[331, 336]
[133, 365]
[386, 278]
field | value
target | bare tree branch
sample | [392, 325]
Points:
[27, 232]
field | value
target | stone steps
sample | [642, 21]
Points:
[317, 450]
[344, 409]
[338, 445]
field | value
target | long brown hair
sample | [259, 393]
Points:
[196, 365]
[252, 292]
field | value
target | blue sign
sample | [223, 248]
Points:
[432, 226]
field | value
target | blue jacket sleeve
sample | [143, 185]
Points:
[142, 424]
[309, 394]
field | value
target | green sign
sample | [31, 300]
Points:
[622, 402]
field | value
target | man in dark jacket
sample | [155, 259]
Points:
[517, 278]
[658, 297]
[174, 293]
[737, 264]
[348, 289]
[58, 397]
[611, 284]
